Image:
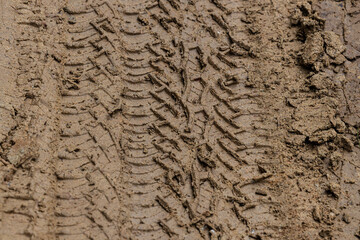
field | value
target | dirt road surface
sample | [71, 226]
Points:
[179, 119]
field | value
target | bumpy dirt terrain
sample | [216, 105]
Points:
[179, 119]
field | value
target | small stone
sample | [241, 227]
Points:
[316, 214]
[145, 150]
[72, 20]
[334, 190]
[346, 218]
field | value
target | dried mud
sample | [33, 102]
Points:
[176, 119]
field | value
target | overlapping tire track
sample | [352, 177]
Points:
[192, 142]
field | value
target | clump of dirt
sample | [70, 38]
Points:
[322, 49]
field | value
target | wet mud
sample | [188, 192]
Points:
[174, 119]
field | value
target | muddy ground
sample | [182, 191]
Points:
[179, 119]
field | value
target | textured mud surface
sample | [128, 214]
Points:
[176, 119]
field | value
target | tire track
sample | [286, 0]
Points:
[141, 174]
[208, 123]
[27, 180]
[96, 121]
[89, 164]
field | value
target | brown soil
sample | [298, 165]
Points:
[179, 119]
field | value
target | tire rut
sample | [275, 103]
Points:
[207, 151]
[88, 168]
